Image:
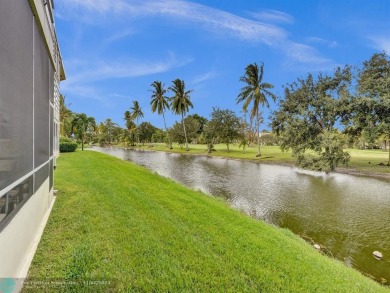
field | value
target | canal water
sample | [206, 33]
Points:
[348, 216]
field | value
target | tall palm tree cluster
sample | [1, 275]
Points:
[254, 94]
[364, 117]
[179, 103]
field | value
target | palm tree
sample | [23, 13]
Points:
[130, 125]
[81, 124]
[180, 102]
[255, 92]
[136, 113]
[65, 117]
[159, 102]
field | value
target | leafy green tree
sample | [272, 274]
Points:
[131, 128]
[192, 127]
[109, 129]
[202, 121]
[146, 131]
[136, 113]
[224, 126]
[159, 136]
[181, 102]
[125, 136]
[159, 103]
[82, 124]
[177, 133]
[307, 117]
[269, 138]
[256, 92]
[372, 107]
[129, 120]
[66, 117]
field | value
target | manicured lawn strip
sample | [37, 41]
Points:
[361, 160]
[114, 220]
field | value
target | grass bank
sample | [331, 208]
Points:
[131, 230]
[364, 162]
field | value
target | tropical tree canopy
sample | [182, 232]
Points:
[181, 99]
[159, 100]
[307, 116]
[181, 102]
[159, 103]
[372, 106]
[224, 126]
[255, 92]
[81, 124]
[66, 117]
[136, 113]
[129, 121]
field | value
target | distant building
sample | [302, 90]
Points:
[30, 72]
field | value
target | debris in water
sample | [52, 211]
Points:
[348, 262]
[377, 254]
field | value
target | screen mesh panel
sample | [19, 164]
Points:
[51, 130]
[13, 201]
[41, 101]
[51, 83]
[16, 88]
[40, 176]
[51, 174]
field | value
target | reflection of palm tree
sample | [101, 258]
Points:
[255, 92]
[81, 124]
[180, 102]
[159, 102]
[136, 113]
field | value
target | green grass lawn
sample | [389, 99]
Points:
[118, 222]
[361, 160]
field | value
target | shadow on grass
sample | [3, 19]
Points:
[263, 158]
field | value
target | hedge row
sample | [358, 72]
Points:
[67, 146]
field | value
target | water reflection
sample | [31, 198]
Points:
[347, 215]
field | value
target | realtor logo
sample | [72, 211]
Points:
[7, 285]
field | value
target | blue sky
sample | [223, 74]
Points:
[113, 50]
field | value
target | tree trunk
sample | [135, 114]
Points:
[166, 129]
[137, 132]
[258, 134]
[185, 133]
[227, 147]
[82, 143]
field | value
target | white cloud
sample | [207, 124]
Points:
[321, 41]
[302, 53]
[204, 77]
[84, 75]
[206, 17]
[273, 16]
[210, 18]
[381, 43]
[86, 71]
[119, 35]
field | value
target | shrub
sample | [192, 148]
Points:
[67, 145]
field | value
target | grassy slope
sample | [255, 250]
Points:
[272, 154]
[115, 220]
